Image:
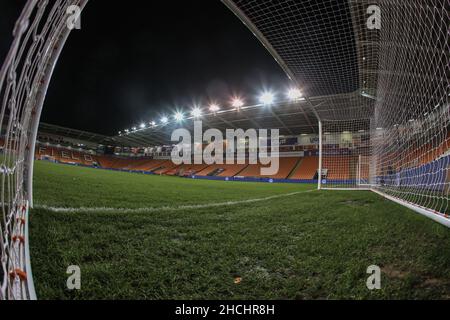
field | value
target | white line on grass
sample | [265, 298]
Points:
[156, 209]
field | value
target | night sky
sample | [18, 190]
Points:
[130, 64]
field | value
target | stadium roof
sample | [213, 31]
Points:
[329, 53]
[87, 138]
[326, 50]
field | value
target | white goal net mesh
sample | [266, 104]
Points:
[377, 75]
[346, 154]
[38, 37]
[411, 119]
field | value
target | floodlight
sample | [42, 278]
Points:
[267, 98]
[196, 112]
[164, 120]
[294, 94]
[179, 116]
[237, 103]
[142, 125]
[214, 108]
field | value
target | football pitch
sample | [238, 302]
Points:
[153, 237]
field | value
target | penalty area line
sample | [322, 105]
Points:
[167, 208]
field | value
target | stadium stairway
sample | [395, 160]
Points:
[299, 162]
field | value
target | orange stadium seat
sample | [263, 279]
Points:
[222, 170]
[186, 169]
[164, 168]
[286, 165]
[339, 167]
[307, 169]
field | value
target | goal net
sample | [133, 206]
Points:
[402, 149]
[376, 73]
[346, 154]
[38, 38]
[410, 128]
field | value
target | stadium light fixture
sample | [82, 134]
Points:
[142, 125]
[196, 112]
[164, 120]
[214, 108]
[179, 116]
[237, 103]
[267, 98]
[134, 128]
[294, 94]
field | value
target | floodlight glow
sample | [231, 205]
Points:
[153, 123]
[214, 108]
[294, 94]
[164, 120]
[267, 98]
[179, 116]
[142, 125]
[196, 113]
[134, 128]
[237, 103]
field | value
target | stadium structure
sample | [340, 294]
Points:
[369, 111]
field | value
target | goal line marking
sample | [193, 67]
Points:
[159, 209]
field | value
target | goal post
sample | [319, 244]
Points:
[38, 38]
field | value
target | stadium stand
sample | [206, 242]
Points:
[148, 165]
[186, 170]
[340, 167]
[222, 170]
[165, 167]
[286, 165]
[66, 156]
[307, 169]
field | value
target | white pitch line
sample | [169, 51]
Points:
[155, 209]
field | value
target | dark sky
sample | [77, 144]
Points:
[133, 63]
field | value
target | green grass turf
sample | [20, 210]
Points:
[309, 246]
